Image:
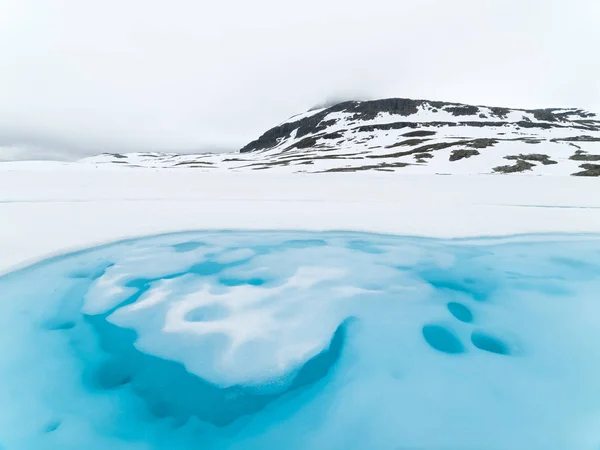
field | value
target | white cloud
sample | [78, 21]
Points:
[187, 76]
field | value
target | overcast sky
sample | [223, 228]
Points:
[80, 77]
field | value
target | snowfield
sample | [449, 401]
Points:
[48, 208]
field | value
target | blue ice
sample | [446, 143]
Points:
[300, 340]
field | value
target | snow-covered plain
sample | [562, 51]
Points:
[48, 208]
[324, 341]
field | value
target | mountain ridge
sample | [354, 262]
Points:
[369, 109]
[411, 136]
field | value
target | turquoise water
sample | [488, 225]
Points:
[299, 340]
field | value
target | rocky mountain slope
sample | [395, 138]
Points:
[410, 136]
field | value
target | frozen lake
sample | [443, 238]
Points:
[296, 340]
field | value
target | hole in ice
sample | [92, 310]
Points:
[55, 326]
[460, 312]
[479, 288]
[488, 343]
[241, 281]
[111, 375]
[209, 268]
[206, 313]
[51, 426]
[442, 339]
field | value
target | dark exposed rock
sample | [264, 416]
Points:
[387, 126]
[500, 112]
[580, 155]
[462, 110]
[461, 154]
[397, 106]
[310, 128]
[319, 157]
[588, 124]
[471, 143]
[194, 163]
[419, 133]
[423, 155]
[529, 124]
[334, 135]
[520, 166]
[482, 143]
[271, 138]
[304, 143]
[544, 114]
[584, 138]
[297, 160]
[407, 142]
[421, 149]
[478, 124]
[361, 168]
[544, 159]
[590, 170]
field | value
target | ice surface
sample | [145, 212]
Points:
[304, 340]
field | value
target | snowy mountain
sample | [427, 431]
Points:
[409, 136]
